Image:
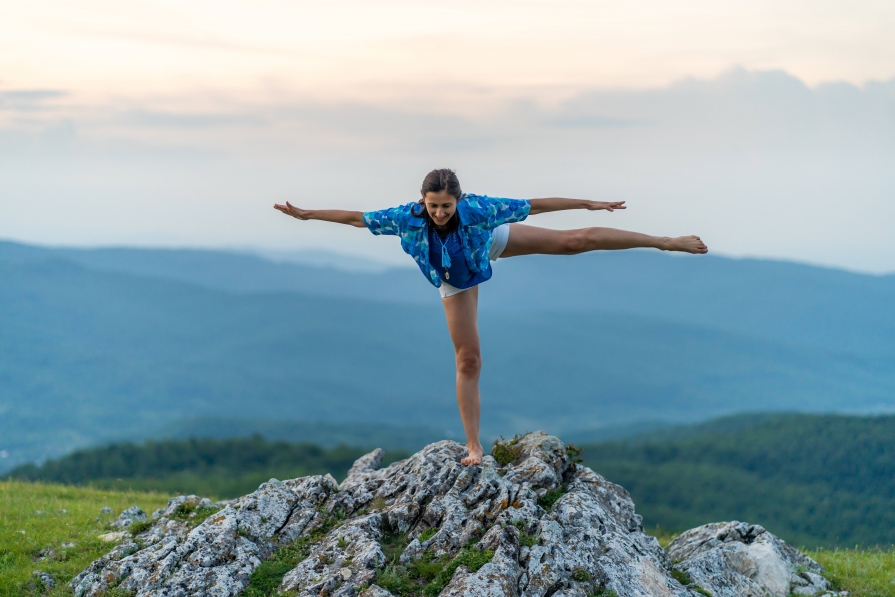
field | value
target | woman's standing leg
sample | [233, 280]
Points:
[529, 240]
[461, 311]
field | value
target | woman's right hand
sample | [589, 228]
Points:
[339, 216]
[291, 210]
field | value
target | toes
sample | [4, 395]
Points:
[471, 460]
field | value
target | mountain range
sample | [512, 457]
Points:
[99, 344]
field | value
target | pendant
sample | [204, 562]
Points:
[447, 275]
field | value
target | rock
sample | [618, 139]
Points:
[114, 537]
[485, 519]
[45, 579]
[345, 559]
[105, 510]
[375, 591]
[217, 557]
[368, 462]
[737, 559]
[129, 516]
[500, 576]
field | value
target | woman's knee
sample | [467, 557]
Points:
[469, 361]
[575, 241]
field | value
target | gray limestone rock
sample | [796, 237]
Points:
[498, 577]
[45, 579]
[375, 591]
[214, 559]
[737, 559]
[129, 516]
[430, 506]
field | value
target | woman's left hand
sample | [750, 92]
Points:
[607, 205]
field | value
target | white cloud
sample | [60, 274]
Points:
[757, 163]
[342, 49]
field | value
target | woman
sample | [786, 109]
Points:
[453, 236]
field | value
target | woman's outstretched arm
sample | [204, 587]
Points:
[539, 206]
[339, 216]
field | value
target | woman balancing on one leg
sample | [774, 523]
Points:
[453, 236]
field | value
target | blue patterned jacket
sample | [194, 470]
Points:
[479, 215]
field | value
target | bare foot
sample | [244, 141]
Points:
[475, 456]
[686, 244]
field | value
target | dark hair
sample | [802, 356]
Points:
[442, 179]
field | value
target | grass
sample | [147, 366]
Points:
[664, 536]
[188, 512]
[524, 538]
[427, 534]
[861, 572]
[684, 578]
[26, 536]
[506, 451]
[548, 499]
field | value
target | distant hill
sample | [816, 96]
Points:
[98, 345]
[784, 302]
[813, 479]
[220, 468]
[320, 433]
[88, 355]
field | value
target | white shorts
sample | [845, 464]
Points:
[501, 235]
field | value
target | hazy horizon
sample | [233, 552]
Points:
[764, 127]
[357, 262]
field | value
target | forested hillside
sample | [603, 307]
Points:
[219, 468]
[812, 479]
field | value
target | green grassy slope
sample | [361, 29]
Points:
[54, 528]
[812, 479]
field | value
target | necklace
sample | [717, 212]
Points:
[445, 257]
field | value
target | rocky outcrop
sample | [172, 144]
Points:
[533, 525]
[736, 559]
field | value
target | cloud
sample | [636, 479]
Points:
[758, 163]
[741, 110]
[28, 100]
[738, 111]
[189, 120]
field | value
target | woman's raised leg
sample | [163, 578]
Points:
[529, 240]
[461, 311]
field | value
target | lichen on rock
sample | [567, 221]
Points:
[737, 559]
[535, 526]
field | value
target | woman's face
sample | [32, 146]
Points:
[441, 206]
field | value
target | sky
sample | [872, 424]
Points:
[768, 128]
